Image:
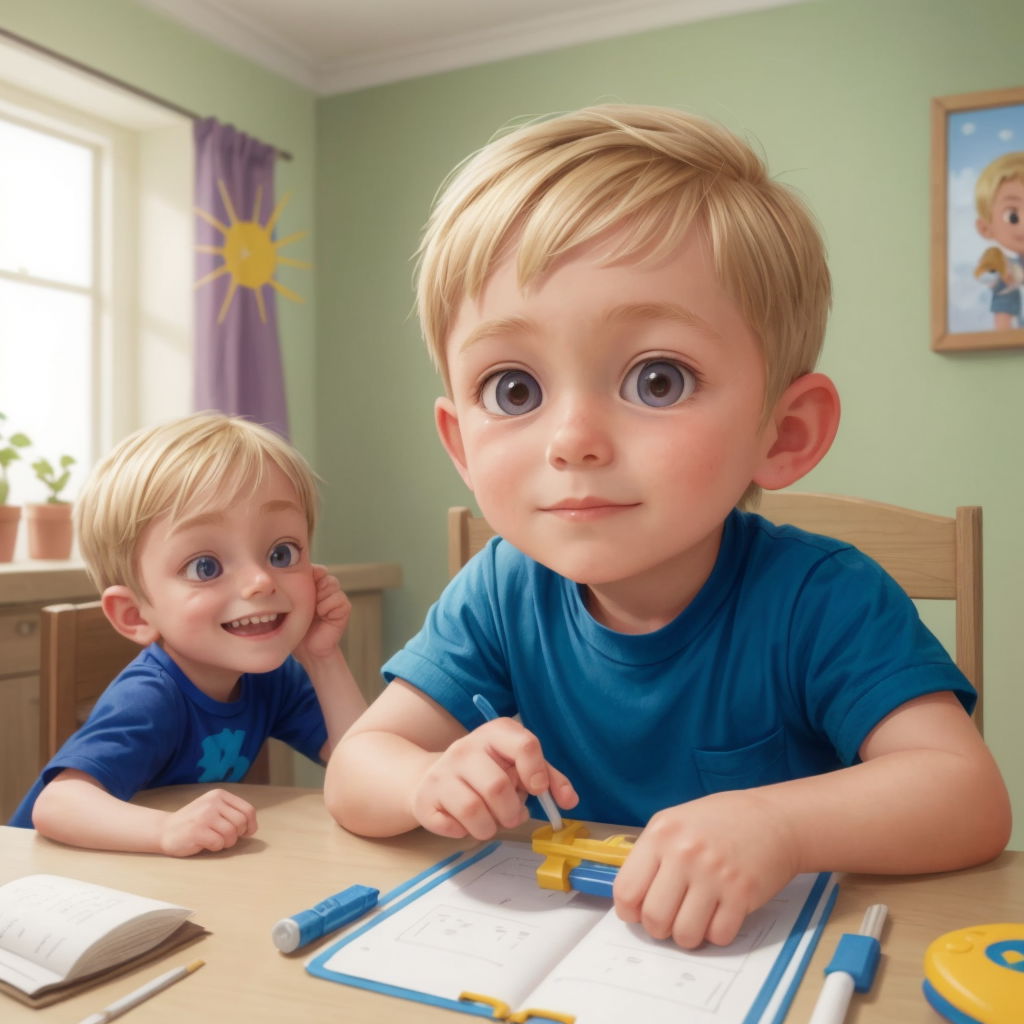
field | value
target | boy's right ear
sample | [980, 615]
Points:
[124, 612]
[447, 422]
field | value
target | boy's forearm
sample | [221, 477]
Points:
[907, 812]
[341, 700]
[370, 781]
[82, 814]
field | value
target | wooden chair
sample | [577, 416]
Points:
[81, 654]
[931, 557]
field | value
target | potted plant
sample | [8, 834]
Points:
[9, 514]
[49, 524]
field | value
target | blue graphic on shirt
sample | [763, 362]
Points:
[222, 760]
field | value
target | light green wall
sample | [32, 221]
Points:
[139, 46]
[837, 93]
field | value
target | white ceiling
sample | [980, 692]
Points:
[333, 46]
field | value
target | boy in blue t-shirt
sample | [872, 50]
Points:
[627, 312]
[197, 534]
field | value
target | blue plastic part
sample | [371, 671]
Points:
[857, 956]
[330, 914]
[946, 1008]
[596, 879]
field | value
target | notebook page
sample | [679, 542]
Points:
[617, 972]
[487, 929]
[47, 923]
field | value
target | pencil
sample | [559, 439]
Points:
[141, 994]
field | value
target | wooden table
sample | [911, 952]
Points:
[299, 856]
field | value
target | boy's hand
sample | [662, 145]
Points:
[479, 783]
[331, 619]
[699, 868]
[214, 821]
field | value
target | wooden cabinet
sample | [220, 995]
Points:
[26, 587]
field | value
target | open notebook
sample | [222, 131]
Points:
[484, 939]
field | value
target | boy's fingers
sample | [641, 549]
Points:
[562, 789]
[725, 923]
[693, 920]
[632, 882]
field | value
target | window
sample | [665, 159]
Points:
[50, 297]
[96, 264]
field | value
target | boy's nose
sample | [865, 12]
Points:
[257, 580]
[580, 438]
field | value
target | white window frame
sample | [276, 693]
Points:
[113, 256]
[144, 274]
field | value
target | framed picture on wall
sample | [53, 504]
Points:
[977, 210]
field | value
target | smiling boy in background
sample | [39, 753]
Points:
[197, 533]
[627, 312]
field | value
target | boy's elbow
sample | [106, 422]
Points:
[46, 817]
[990, 824]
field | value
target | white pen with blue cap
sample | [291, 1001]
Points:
[483, 705]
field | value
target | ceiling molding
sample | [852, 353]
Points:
[218, 21]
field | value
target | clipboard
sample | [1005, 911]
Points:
[481, 938]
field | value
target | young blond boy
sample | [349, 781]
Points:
[999, 199]
[197, 534]
[627, 313]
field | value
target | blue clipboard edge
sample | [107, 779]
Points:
[789, 948]
[317, 967]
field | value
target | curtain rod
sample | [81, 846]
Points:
[120, 83]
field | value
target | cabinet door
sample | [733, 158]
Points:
[19, 740]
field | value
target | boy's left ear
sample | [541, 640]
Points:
[124, 612]
[804, 424]
[447, 422]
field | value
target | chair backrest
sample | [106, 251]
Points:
[467, 534]
[81, 654]
[932, 557]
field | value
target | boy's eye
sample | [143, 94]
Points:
[658, 383]
[1012, 217]
[203, 568]
[284, 555]
[510, 393]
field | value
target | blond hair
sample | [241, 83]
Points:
[199, 463]
[552, 185]
[1008, 167]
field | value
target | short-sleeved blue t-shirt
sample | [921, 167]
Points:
[153, 727]
[795, 648]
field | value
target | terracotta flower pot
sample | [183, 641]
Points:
[9, 516]
[49, 530]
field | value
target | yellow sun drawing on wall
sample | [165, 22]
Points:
[250, 253]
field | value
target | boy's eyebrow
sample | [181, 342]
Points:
[206, 518]
[628, 312]
[498, 327]
[633, 311]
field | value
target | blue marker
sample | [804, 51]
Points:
[483, 705]
[292, 933]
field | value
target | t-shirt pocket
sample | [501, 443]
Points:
[757, 764]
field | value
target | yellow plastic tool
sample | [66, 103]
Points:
[977, 974]
[569, 847]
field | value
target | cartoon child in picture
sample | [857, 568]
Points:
[999, 199]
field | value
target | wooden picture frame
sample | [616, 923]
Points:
[975, 290]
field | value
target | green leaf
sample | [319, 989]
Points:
[42, 468]
[65, 461]
[20, 440]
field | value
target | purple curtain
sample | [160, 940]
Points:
[237, 356]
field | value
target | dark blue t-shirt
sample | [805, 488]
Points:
[152, 727]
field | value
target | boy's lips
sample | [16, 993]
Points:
[584, 509]
[254, 625]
